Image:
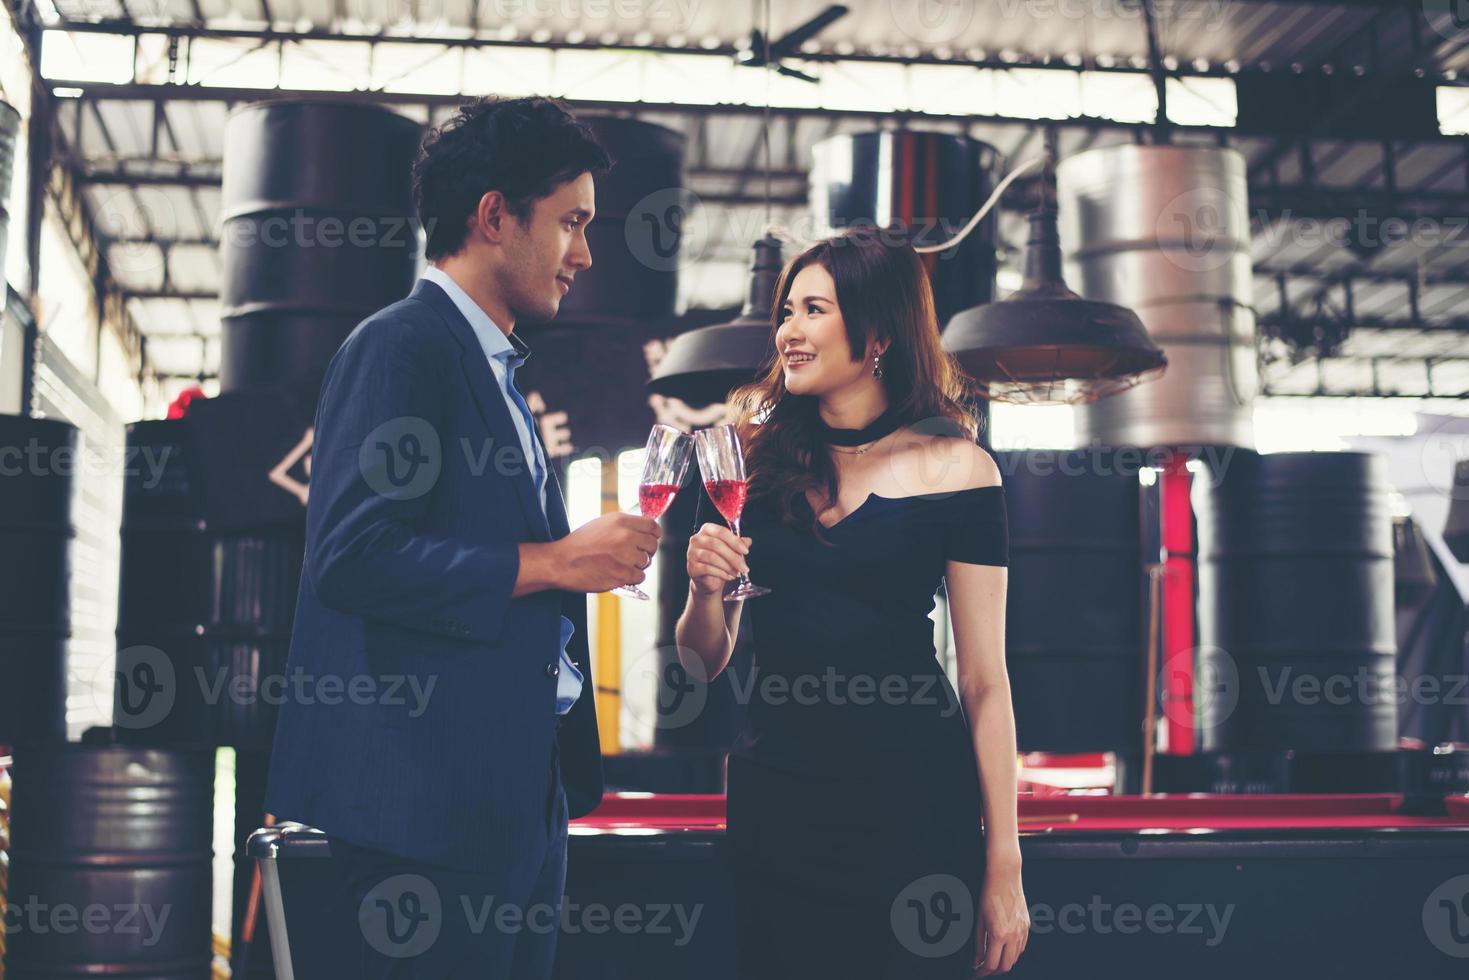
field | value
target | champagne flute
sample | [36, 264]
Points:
[664, 469]
[722, 461]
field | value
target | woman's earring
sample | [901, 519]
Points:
[876, 366]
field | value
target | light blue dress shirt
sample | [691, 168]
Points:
[500, 349]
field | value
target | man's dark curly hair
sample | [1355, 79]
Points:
[523, 148]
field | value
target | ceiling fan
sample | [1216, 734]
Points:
[757, 52]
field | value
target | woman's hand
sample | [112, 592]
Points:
[1005, 919]
[715, 557]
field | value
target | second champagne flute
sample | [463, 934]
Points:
[664, 469]
[722, 462]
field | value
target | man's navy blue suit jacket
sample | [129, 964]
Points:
[407, 581]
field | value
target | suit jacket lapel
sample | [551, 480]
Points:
[555, 504]
[489, 397]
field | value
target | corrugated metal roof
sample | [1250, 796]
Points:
[1248, 31]
[119, 140]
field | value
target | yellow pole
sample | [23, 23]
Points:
[608, 668]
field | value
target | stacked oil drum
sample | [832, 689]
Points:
[37, 500]
[1288, 644]
[925, 185]
[1074, 615]
[1295, 673]
[319, 232]
[109, 865]
[111, 871]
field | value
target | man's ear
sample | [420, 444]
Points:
[490, 216]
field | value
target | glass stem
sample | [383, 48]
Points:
[744, 579]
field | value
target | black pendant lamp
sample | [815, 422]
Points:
[1456, 526]
[1043, 344]
[1413, 573]
[703, 366]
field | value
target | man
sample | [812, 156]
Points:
[439, 674]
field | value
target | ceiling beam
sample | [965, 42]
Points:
[270, 35]
[1440, 277]
[1268, 392]
[170, 293]
[1287, 201]
[707, 184]
[1375, 323]
[1138, 132]
[206, 241]
[266, 33]
[124, 178]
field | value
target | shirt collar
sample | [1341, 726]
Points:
[522, 349]
[496, 344]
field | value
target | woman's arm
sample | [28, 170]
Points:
[977, 610]
[708, 626]
[706, 630]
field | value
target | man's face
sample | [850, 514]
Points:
[543, 257]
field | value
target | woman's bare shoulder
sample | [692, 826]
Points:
[932, 463]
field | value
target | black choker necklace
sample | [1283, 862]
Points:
[884, 424]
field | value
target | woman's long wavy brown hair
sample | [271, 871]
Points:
[883, 292]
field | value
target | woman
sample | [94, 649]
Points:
[872, 815]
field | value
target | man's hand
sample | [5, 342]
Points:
[615, 549]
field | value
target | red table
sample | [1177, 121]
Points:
[1217, 886]
[673, 813]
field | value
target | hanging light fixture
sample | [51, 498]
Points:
[1044, 344]
[704, 365]
[1456, 525]
[1413, 573]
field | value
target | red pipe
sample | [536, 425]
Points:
[1180, 626]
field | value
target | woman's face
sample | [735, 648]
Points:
[812, 337]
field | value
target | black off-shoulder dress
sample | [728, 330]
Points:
[854, 798]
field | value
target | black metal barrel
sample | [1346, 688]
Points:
[38, 460]
[639, 237]
[204, 621]
[110, 863]
[1296, 622]
[1074, 628]
[927, 183]
[319, 232]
